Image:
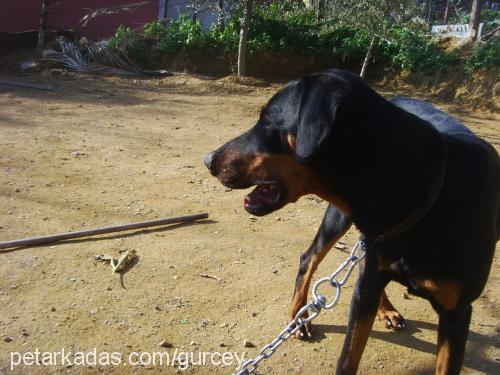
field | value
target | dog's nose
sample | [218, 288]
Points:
[209, 160]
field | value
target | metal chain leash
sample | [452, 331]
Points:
[310, 311]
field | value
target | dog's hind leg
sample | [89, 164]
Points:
[388, 314]
[452, 336]
[334, 225]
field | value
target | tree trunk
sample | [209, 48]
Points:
[43, 25]
[429, 13]
[475, 18]
[368, 56]
[446, 12]
[221, 15]
[242, 47]
[320, 10]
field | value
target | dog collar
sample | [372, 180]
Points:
[421, 212]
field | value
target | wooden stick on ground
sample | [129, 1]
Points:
[104, 230]
[28, 85]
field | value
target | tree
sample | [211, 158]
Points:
[475, 18]
[368, 56]
[376, 17]
[320, 9]
[43, 24]
[221, 15]
[242, 46]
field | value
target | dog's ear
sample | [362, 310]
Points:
[323, 108]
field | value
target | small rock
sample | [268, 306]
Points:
[406, 296]
[57, 72]
[165, 344]
[222, 344]
[248, 344]
[52, 309]
[8, 339]
[192, 343]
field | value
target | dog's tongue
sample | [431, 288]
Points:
[261, 195]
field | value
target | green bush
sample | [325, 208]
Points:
[178, 35]
[485, 55]
[289, 27]
[416, 52]
[129, 41]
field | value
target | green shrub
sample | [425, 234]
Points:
[416, 52]
[181, 34]
[129, 41]
[229, 37]
[485, 55]
[289, 27]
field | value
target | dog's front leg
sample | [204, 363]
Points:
[333, 227]
[364, 305]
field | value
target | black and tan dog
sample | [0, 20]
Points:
[423, 190]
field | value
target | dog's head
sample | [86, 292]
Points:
[279, 153]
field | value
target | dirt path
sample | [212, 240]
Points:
[98, 152]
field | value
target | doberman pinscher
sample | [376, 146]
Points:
[422, 189]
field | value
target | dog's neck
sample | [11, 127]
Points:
[397, 158]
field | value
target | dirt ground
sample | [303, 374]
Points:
[103, 151]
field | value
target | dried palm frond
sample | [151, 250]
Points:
[91, 58]
[101, 53]
[69, 57]
[93, 13]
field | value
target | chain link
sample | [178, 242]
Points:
[310, 311]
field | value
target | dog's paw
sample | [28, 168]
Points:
[304, 333]
[392, 319]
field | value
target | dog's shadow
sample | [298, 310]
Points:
[477, 343]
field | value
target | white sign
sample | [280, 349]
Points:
[458, 31]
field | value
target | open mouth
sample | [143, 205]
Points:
[265, 198]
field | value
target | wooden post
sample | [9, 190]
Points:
[43, 25]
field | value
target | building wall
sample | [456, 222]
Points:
[24, 15]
